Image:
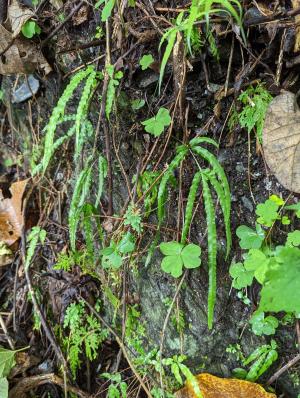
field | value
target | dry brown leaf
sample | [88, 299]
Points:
[6, 256]
[11, 213]
[21, 56]
[81, 16]
[17, 16]
[281, 140]
[216, 387]
[57, 3]
[296, 4]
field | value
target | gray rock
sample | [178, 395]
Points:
[27, 88]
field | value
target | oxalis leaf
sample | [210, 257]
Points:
[249, 238]
[156, 125]
[178, 256]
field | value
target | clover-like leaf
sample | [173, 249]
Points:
[146, 61]
[191, 256]
[267, 212]
[262, 325]
[241, 277]
[156, 125]
[171, 248]
[257, 262]
[293, 238]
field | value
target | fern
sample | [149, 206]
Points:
[88, 211]
[57, 114]
[212, 249]
[161, 196]
[81, 191]
[102, 170]
[111, 89]
[190, 205]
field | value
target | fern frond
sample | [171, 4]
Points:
[81, 191]
[190, 206]
[217, 168]
[198, 140]
[57, 114]
[82, 110]
[102, 170]
[212, 249]
[224, 206]
[161, 196]
[88, 211]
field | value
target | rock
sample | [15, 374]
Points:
[27, 89]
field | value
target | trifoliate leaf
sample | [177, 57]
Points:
[241, 277]
[257, 262]
[30, 28]
[263, 326]
[157, 124]
[293, 238]
[171, 248]
[146, 61]
[267, 212]
[250, 239]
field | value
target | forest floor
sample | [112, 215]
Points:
[137, 137]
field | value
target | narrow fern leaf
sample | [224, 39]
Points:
[212, 250]
[102, 170]
[193, 16]
[57, 114]
[171, 41]
[198, 140]
[82, 110]
[161, 196]
[87, 210]
[81, 191]
[110, 96]
[217, 168]
[190, 206]
[225, 209]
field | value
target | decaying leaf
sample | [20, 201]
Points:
[216, 387]
[6, 256]
[281, 140]
[20, 55]
[11, 213]
[81, 16]
[296, 5]
[17, 16]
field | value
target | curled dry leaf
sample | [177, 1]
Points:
[11, 213]
[216, 387]
[281, 140]
[17, 16]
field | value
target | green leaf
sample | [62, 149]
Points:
[241, 277]
[107, 10]
[171, 248]
[293, 238]
[171, 37]
[127, 243]
[250, 239]
[113, 260]
[7, 361]
[35, 236]
[30, 28]
[191, 256]
[172, 265]
[146, 61]
[267, 212]
[137, 104]
[157, 124]
[263, 326]
[281, 287]
[3, 387]
[133, 218]
[295, 207]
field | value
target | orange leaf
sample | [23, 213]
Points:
[11, 213]
[216, 387]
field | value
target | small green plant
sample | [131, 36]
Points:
[156, 124]
[114, 81]
[178, 256]
[213, 177]
[147, 186]
[146, 61]
[262, 325]
[35, 236]
[30, 28]
[254, 102]
[133, 218]
[261, 358]
[7, 362]
[112, 256]
[85, 335]
[117, 387]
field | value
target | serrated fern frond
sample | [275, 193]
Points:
[212, 249]
[58, 113]
[161, 196]
[190, 206]
[102, 172]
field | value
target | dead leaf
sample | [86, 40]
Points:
[57, 4]
[11, 213]
[17, 16]
[21, 56]
[216, 387]
[281, 140]
[81, 16]
[296, 4]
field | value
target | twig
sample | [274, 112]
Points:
[286, 367]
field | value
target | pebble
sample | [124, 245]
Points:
[25, 90]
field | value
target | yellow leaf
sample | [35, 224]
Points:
[216, 387]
